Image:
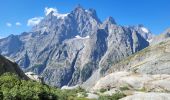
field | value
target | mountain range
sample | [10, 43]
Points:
[76, 48]
[88, 59]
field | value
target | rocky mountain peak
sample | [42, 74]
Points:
[51, 14]
[79, 12]
[78, 8]
[110, 20]
[143, 31]
[167, 31]
[108, 24]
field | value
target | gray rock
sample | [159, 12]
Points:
[9, 66]
[134, 82]
[148, 96]
[152, 60]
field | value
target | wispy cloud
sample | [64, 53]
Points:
[18, 24]
[55, 12]
[34, 21]
[48, 10]
[8, 24]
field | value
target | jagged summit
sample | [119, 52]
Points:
[79, 7]
[143, 31]
[51, 13]
[80, 11]
[110, 20]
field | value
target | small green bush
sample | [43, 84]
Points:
[115, 96]
[142, 89]
[103, 90]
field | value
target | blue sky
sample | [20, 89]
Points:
[154, 14]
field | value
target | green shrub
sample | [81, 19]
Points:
[142, 89]
[115, 96]
[123, 88]
[13, 88]
[103, 90]
[80, 89]
[84, 94]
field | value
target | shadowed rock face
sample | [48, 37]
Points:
[8, 66]
[67, 51]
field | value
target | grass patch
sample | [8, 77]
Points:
[115, 96]
[142, 89]
[123, 88]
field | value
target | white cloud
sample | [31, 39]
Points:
[48, 10]
[55, 12]
[18, 24]
[8, 24]
[34, 21]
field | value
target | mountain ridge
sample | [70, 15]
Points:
[68, 51]
[8, 66]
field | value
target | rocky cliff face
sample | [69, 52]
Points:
[151, 60]
[8, 66]
[68, 50]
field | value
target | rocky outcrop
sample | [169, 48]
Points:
[134, 86]
[8, 66]
[148, 96]
[35, 77]
[134, 82]
[161, 38]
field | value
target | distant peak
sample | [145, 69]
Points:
[92, 11]
[140, 25]
[79, 7]
[110, 20]
[50, 14]
[167, 31]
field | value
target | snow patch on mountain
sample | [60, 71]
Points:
[145, 30]
[79, 37]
